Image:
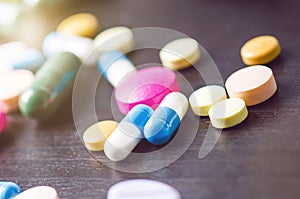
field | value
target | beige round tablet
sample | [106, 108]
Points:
[41, 192]
[12, 84]
[81, 24]
[253, 84]
[205, 97]
[228, 113]
[180, 53]
[95, 136]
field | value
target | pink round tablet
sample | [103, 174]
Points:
[2, 120]
[147, 86]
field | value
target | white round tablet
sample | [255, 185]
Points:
[180, 53]
[142, 189]
[41, 192]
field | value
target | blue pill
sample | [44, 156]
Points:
[8, 190]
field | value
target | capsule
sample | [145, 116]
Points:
[52, 85]
[30, 59]
[114, 66]
[166, 118]
[2, 120]
[9, 190]
[128, 133]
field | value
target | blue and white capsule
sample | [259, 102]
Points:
[128, 133]
[9, 190]
[115, 66]
[166, 118]
[31, 59]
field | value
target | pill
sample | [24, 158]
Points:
[228, 113]
[115, 38]
[9, 190]
[253, 84]
[128, 133]
[30, 59]
[147, 86]
[54, 81]
[260, 50]
[180, 53]
[2, 120]
[202, 99]
[95, 136]
[40, 192]
[114, 66]
[142, 189]
[12, 85]
[81, 24]
[166, 118]
[55, 43]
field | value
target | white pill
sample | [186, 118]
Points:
[205, 97]
[180, 53]
[30, 59]
[142, 189]
[41, 192]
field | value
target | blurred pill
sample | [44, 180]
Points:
[30, 59]
[142, 189]
[40, 192]
[2, 119]
[180, 53]
[9, 190]
[81, 24]
[12, 85]
[95, 136]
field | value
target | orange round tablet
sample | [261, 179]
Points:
[253, 84]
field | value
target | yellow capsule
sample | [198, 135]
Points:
[82, 24]
[95, 136]
[260, 50]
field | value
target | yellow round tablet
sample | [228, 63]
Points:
[12, 84]
[180, 53]
[95, 136]
[81, 24]
[40, 192]
[228, 113]
[205, 97]
[260, 50]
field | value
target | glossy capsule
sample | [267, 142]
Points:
[9, 190]
[128, 133]
[52, 85]
[166, 118]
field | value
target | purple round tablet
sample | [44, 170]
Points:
[147, 86]
[2, 120]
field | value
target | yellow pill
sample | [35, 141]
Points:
[180, 53]
[95, 136]
[228, 113]
[260, 50]
[82, 24]
[204, 98]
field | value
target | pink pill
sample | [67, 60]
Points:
[147, 86]
[2, 120]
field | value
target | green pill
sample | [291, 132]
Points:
[53, 82]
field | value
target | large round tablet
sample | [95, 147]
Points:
[147, 86]
[115, 38]
[2, 119]
[142, 189]
[228, 113]
[12, 84]
[95, 136]
[260, 50]
[81, 24]
[180, 53]
[202, 99]
[41, 192]
[253, 84]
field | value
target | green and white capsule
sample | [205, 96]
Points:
[52, 85]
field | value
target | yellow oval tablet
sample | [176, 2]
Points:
[95, 136]
[204, 98]
[253, 84]
[12, 85]
[180, 53]
[228, 113]
[260, 50]
[82, 24]
[40, 192]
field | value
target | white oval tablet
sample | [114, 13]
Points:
[180, 53]
[142, 189]
[202, 99]
[41, 192]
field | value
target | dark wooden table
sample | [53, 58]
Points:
[257, 159]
